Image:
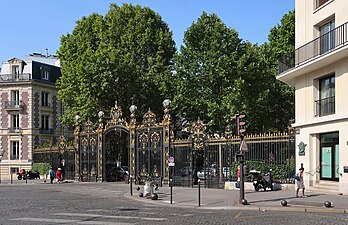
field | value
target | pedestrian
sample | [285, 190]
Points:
[300, 183]
[51, 174]
[59, 175]
[238, 173]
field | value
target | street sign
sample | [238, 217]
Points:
[171, 159]
[243, 147]
[171, 164]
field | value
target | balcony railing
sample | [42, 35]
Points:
[15, 77]
[328, 42]
[14, 157]
[14, 105]
[15, 130]
[325, 106]
[46, 131]
[46, 104]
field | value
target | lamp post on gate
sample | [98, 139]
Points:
[1, 155]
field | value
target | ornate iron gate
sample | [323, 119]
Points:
[115, 145]
[88, 145]
[152, 149]
[144, 148]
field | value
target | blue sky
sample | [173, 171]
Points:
[32, 26]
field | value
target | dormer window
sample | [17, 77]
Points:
[45, 74]
[15, 72]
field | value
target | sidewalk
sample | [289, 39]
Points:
[229, 199]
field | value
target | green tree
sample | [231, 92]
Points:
[218, 75]
[124, 56]
[206, 72]
[282, 96]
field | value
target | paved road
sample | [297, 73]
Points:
[107, 203]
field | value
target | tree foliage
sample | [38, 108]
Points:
[206, 74]
[218, 75]
[124, 56]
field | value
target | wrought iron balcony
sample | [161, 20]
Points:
[14, 105]
[15, 130]
[14, 157]
[322, 45]
[15, 77]
[46, 131]
[46, 104]
[325, 106]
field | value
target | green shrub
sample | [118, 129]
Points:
[42, 168]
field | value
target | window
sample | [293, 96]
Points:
[15, 122]
[45, 99]
[45, 74]
[326, 102]
[321, 2]
[15, 72]
[15, 97]
[45, 122]
[14, 150]
[327, 36]
[14, 170]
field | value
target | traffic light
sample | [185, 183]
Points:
[240, 124]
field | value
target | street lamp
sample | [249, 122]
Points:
[132, 108]
[166, 103]
[1, 155]
[77, 117]
[100, 114]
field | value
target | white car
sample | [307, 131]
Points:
[208, 172]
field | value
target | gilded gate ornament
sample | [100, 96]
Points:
[149, 119]
[116, 117]
[198, 135]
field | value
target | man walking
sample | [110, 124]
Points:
[300, 183]
[51, 173]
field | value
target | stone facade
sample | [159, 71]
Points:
[320, 76]
[29, 110]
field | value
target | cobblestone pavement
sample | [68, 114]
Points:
[96, 203]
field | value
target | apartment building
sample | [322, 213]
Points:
[29, 109]
[318, 69]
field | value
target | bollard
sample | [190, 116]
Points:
[199, 192]
[171, 191]
[26, 180]
[11, 177]
[131, 186]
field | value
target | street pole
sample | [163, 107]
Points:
[241, 191]
[131, 187]
[1, 155]
[199, 192]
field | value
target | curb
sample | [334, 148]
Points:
[288, 208]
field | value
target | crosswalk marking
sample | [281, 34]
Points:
[110, 217]
[60, 221]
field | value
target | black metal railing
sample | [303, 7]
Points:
[15, 130]
[15, 77]
[328, 42]
[14, 157]
[325, 106]
[46, 104]
[46, 131]
[14, 105]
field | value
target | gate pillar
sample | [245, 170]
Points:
[166, 140]
[132, 126]
[76, 147]
[100, 147]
